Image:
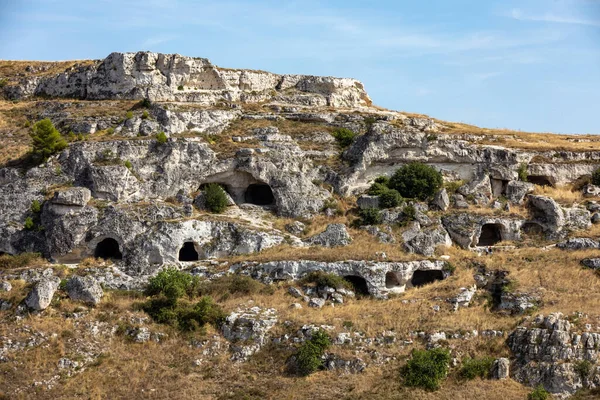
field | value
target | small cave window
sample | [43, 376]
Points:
[259, 194]
[421, 278]
[392, 280]
[490, 235]
[188, 252]
[108, 249]
[540, 180]
[359, 284]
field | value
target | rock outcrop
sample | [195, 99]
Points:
[41, 295]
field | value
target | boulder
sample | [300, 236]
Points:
[41, 295]
[593, 263]
[316, 302]
[500, 369]
[367, 201]
[516, 191]
[595, 218]
[464, 297]
[75, 196]
[441, 200]
[547, 211]
[247, 330]
[85, 289]
[5, 286]
[480, 189]
[295, 228]
[333, 236]
[425, 241]
[579, 244]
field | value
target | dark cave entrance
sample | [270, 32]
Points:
[259, 194]
[188, 252]
[108, 249]
[490, 235]
[359, 284]
[540, 180]
[392, 280]
[532, 229]
[421, 278]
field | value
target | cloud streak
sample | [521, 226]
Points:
[519, 15]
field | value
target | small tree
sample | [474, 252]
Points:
[522, 172]
[46, 140]
[427, 368]
[215, 198]
[172, 284]
[390, 199]
[344, 136]
[308, 357]
[369, 216]
[416, 181]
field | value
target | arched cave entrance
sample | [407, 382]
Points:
[188, 252]
[108, 249]
[259, 194]
[392, 280]
[490, 235]
[540, 180]
[359, 284]
[532, 229]
[421, 278]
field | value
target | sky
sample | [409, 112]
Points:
[531, 65]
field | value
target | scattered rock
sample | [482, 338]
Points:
[5, 286]
[441, 200]
[41, 295]
[333, 236]
[500, 369]
[85, 289]
[247, 331]
[316, 302]
[295, 228]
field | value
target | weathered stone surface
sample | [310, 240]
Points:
[441, 200]
[425, 241]
[366, 201]
[590, 190]
[464, 297]
[501, 369]
[295, 228]
[316, 302]
[578, 244]
[333, 236]
[547, 352]
[85, 289]
[593, 263]
[247, 330]
[480, 189]
[517, 190]
[41, 295]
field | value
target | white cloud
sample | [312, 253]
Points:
[519, 15]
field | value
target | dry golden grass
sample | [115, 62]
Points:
[13, 70]
[565, 195]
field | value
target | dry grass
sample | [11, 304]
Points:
[13, 70]
[565, 195]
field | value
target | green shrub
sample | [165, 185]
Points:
[322, 279]
[110, 131]
[344, 136]
[46, 140]
[8, 261]
[29, 224]
[127, 164]
[596, 177]
[409, 213]
[36, 207]
[180, 87]
[215, 198]
[145, 115]
[384, 180]
[583, 368]
[522, 172]
[417, 181]
[476, 367]
[161, 137]
[146, 103]
[184, 315]
[427, 368]
[310, 353]
[369, 216]
[390, 199]
[172, 284]
[452, 187]
[377, 189]
[129, 115]
[539, 393]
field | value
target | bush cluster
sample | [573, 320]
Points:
[215, 198]
[369, 216]
[166, 306]
[427, 368]
[476, 367]
[416, 181]
[309, 355]
[539, 393]
[322, 279]
[522, 172]
[161, 137]
[47, 141]
[344, 136]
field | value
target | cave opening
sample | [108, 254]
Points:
[108, 249]
[540, 180]
[188, 252]
[490, 235]
[421, 278]
[259, 194]
[392, 280]
[359, 284]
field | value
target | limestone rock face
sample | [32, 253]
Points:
[441, 200]
[501, 369]
[247, 330]
[548, 352]
[425, 241]
[41, 295]
[85, 289]
[172, 77]
[517, 190]
[380, 278]
[333, 236]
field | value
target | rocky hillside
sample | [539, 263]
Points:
[221, 233]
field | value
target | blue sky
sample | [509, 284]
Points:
[531, 65]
